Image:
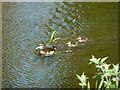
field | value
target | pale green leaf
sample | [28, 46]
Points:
[116, 67]
[96, 83]
[52, 36]
[101, 83]
[112, 86]
[88, 84]
[103, 59]
[79, 78]
[56, 39]
[90, 63]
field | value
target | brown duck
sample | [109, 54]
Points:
[48, 51]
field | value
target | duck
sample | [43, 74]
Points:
[82, 39]
[48, 51]
[40, 46]
[72, 44]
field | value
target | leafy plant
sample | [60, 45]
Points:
[110, 77]
[51, 39]
[83, 79]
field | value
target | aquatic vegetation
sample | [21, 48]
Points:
[110, 77]
[51, 39]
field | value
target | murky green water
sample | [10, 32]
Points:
[25, 25]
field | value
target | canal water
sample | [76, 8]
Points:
[25, 25]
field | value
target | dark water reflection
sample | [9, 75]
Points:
[27, 24]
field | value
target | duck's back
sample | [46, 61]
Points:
[48, 49]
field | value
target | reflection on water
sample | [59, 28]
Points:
[25, 25]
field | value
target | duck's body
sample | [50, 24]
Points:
[72, 44]
[82, 39]
[48, 51]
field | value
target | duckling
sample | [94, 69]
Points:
[82, 39]
[72, 44]
[48, 51]
[40, 46]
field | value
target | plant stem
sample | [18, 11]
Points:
[117, 82]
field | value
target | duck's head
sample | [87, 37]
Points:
[86, 38]
[55, 47]
[40, 46]
[68, 43]
[79, 38]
